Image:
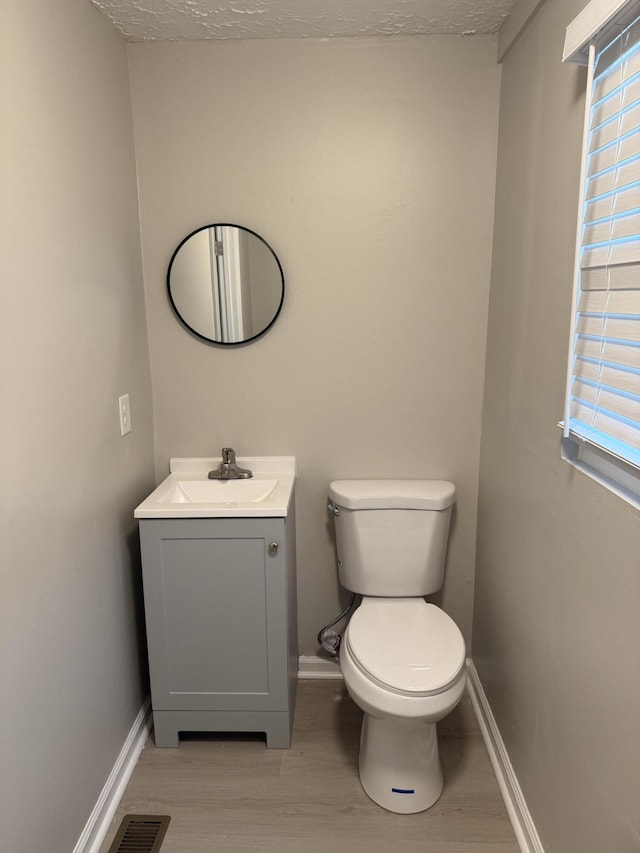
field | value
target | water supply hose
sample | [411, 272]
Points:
[330, 640]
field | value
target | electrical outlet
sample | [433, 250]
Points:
[125, 414]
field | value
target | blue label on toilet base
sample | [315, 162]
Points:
[403, 790]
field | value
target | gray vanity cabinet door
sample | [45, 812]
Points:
[216, 613]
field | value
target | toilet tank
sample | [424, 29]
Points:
[391, 535]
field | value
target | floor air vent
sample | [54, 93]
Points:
[140, 833]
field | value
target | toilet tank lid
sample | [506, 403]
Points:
[393, 494]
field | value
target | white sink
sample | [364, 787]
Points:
[218, 491]
[188, 492]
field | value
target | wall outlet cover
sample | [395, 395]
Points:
[125, 414]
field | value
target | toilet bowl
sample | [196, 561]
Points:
[403, 663]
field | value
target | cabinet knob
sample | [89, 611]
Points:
[273, 548]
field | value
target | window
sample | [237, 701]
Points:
[602, 409]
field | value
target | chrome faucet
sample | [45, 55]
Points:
[229, 469]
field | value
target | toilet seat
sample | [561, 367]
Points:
[406, 646]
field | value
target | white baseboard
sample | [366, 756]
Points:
[314, 666]
[521, 820]
[98, 824]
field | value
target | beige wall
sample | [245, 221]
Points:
[368, 165]
[73, 339]
[556, 635]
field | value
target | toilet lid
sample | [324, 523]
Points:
[406, 645]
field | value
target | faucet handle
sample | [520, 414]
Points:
[228, 456]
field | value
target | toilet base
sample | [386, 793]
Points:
[399, 763]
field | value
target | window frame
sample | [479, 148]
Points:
[597, 26]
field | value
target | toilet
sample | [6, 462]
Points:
[402, 659]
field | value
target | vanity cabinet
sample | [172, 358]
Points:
[220, 608]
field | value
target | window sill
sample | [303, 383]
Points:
[614, 474]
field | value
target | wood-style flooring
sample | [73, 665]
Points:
[230, 794]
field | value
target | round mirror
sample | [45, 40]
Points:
[226, 283]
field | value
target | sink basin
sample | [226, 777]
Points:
[219, 491]
[188, 493]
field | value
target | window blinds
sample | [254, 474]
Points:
[603, 401]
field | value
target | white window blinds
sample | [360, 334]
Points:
[603, 397]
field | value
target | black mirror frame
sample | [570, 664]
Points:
[179, 315]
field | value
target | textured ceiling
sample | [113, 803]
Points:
[168, 20]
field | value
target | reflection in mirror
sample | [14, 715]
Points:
[226, 283]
